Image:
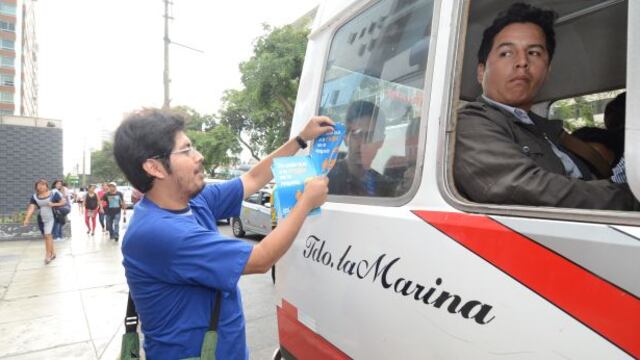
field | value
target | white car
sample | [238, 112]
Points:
[255, 215]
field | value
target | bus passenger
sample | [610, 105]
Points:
[505, 154]
[353, 175]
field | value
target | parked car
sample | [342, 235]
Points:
[255, 215]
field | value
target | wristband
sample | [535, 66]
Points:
[302, 143]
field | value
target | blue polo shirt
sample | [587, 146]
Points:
[175, 261]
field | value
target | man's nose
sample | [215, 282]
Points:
[522, 60]
[199, 157]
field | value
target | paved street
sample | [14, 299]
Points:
[73, 308]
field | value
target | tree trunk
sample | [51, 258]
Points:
[251, 150]
[287, 105]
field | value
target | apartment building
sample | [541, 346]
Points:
[18, 58]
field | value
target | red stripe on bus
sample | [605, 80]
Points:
[604, 308]
[299, 340]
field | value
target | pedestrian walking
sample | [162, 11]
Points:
[79, 196]
[91, 209]
[44, 200]
[65, 209]
[115, 207]
[103, 205]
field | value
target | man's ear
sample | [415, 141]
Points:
[154, 168]
[480, 73]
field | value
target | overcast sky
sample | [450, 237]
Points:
[101, 59]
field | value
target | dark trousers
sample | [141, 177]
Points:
[113, 225]
[57, 230]
[101, 218]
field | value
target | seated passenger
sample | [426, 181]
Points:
[353, 175]
[505, 154]
[614, 118]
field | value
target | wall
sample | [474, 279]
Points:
[27, 153]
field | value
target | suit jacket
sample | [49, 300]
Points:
[500, 160]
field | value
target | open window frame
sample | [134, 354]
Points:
[460, 52]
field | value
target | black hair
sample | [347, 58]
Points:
[360, 108]
[54, 182]
[519, 13]
[146, 134]
[614, 112]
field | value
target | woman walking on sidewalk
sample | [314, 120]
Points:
[91, 209]
[44, 200]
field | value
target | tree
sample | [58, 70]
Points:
[264, 108]
[218, 145]
[195, 120]
[103, 165]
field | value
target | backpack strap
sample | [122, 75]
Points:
[215, 315]
[131, 319]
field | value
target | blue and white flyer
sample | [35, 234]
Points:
[290, 174]
[324, 151]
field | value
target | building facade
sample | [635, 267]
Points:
[30, 149]
[18, 58]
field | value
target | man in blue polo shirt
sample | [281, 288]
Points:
[174, 257]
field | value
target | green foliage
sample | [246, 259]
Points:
[15, 218]
[218, 145]
[103, 165]
[71, 180]
[195, 120]
[581, 111]
[262, 111]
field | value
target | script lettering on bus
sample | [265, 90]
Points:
[379, 271]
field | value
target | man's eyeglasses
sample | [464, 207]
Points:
[190, 150]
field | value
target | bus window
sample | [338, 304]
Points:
[373, 84]
[582, 111]
[505, 153]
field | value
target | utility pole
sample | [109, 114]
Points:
[167, 100]
[167, 81]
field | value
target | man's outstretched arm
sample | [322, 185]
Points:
[260, 174]
[274, 245]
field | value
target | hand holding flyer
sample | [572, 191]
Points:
[324, 151]
[291, 172]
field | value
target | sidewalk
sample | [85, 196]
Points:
[70, 309]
